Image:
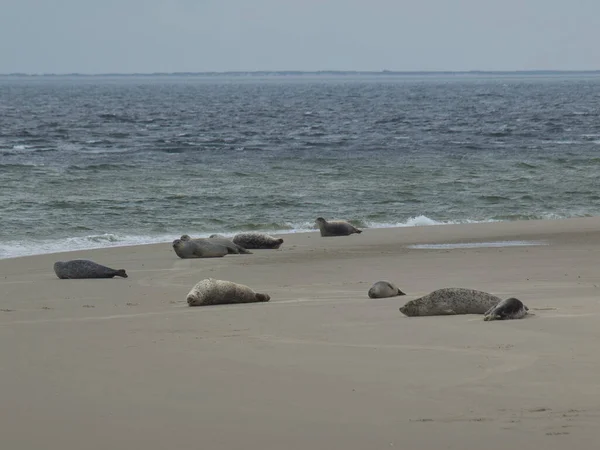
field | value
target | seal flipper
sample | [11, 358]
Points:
[449, 312]
[121, 273]
[399, 292]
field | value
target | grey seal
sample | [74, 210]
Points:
[383, 289]
[256, 240]
[336, 227]
[84, 268]
[199, 249]
[511, 308]
[211, 291]
[232, 248]
[448, 301]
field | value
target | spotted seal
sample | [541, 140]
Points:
[383, 289]
[510, 308]
[232, 248]
[256, 240]
[84, 268]
[336, 227]
[448, 301]
[211, 291]
[199, 249]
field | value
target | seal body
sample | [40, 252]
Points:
[511, 308]
[232, 248]
[383, 289]
[257, 241]
[211, 291]
[336, 227]
[84, 268]
[450, 301]
[199, 249]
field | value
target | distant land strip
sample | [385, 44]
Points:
[283, 73]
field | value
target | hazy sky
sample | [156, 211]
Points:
[63, 36]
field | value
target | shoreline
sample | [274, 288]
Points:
[456, 231]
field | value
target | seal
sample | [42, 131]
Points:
[232, 249]
[84, 268]
[211, 291]
[511, 308]
[336, 227]
[383, 289]
[257, 241]
[450, 301]
[198, 249]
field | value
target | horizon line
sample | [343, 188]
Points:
[307, 72]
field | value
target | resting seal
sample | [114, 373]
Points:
[232, 248]
[336, 227]
[257, 241]
[220, 292]
[84, 268]
[449, 301]
[199, 249]
[511, 308]
[383, 289]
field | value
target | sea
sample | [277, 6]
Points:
[104, 161]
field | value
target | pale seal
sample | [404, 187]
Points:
[450, 301]
[336, 227]
[200, 249]
[383, 289]
[257, 241]
[84, 268]
[220, 292]
[511, 308]
[232, 248]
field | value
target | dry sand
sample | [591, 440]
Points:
[125, 363]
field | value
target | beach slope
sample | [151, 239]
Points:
[125, 363]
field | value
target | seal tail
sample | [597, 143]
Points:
[121, 273]
[358, 231]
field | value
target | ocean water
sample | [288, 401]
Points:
[99, 161]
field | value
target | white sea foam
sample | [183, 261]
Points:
[13, 249]
[423, 221]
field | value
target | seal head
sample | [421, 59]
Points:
[511, 308]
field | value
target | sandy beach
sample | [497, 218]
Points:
[125, 363]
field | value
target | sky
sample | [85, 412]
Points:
[146, 36]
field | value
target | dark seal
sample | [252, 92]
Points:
[84, 268]
[336, 227]
[257, 241]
